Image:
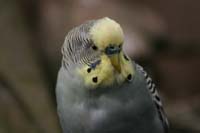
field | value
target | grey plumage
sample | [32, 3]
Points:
[129, 104]
[127, 108]
[156, 98]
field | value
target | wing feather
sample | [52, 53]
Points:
[155, 97]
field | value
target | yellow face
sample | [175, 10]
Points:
[108, 33]
[115, 66]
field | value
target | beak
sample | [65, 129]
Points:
[113, 54]
[115, 61]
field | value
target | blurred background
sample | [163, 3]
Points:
[163, 36]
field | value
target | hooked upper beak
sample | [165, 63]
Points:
[113, 54]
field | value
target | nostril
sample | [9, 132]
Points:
[112, 47]
[112, 50]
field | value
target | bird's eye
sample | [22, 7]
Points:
[94, 47]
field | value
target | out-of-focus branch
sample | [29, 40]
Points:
[31, 11]
[20, 103]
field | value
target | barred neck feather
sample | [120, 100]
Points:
[77, 46]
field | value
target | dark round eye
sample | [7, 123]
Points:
[94, 47]
[129, 77]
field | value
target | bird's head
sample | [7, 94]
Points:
[94, 51]
[108, 37]
[114, 66]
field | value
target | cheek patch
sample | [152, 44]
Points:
[94, 65]
[127, 71]
[99, 73]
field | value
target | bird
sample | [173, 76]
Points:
[100, 89]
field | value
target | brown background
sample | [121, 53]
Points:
[163, 36]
